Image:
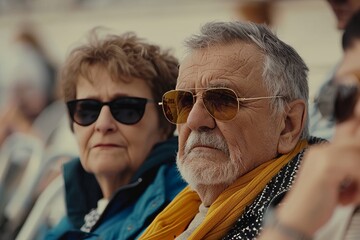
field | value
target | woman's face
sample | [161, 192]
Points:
[108, 148]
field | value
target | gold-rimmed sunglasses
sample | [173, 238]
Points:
[221, 103]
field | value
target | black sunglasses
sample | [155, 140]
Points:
[126, 110]
[336, 102]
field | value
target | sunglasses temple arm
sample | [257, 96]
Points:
[258, 98]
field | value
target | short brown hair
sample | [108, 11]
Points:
[123, 56]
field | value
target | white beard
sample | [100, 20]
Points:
[202, 168]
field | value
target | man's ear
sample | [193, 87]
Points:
[292, 127]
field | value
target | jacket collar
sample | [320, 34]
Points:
[83, 190]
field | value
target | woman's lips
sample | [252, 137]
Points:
[106, 145]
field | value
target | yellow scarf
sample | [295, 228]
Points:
[226, 209]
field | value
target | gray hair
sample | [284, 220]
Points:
[285, 72]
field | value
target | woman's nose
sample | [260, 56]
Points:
[105, 121]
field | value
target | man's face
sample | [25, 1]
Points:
[343, 10]
[218, 152]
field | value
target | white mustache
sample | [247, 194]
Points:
[206, 139]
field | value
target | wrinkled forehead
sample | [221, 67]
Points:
[235, 61]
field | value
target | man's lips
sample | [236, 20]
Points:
[203, 146]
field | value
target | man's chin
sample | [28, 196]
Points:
[204, 176]
[205, 154]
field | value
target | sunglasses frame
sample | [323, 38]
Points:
[337, 101]
[71, 106]
[238, 99]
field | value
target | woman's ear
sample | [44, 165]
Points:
[293, 125]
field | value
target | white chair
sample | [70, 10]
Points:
[31, 150]
[42, 214]
[21, 200]
[43, 154]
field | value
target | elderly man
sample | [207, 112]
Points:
[240, 105]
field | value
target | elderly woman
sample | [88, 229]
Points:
[126, 172]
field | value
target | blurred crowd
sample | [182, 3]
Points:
[32, 121]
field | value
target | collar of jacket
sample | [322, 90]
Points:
[83, 191]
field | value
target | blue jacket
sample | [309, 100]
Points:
[131, 209]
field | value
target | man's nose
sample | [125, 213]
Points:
[199, 117]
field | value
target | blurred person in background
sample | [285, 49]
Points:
[126, 173]
[30, 116]
[257, 11]
[319, 126]
[324, 203]
[30, 84]
[240, 106]
[343, 10]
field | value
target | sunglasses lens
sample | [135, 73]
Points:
[177, 105]
[222, 104]
[337, 101]
[84, 112]
[128, 110]
[345, 102]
